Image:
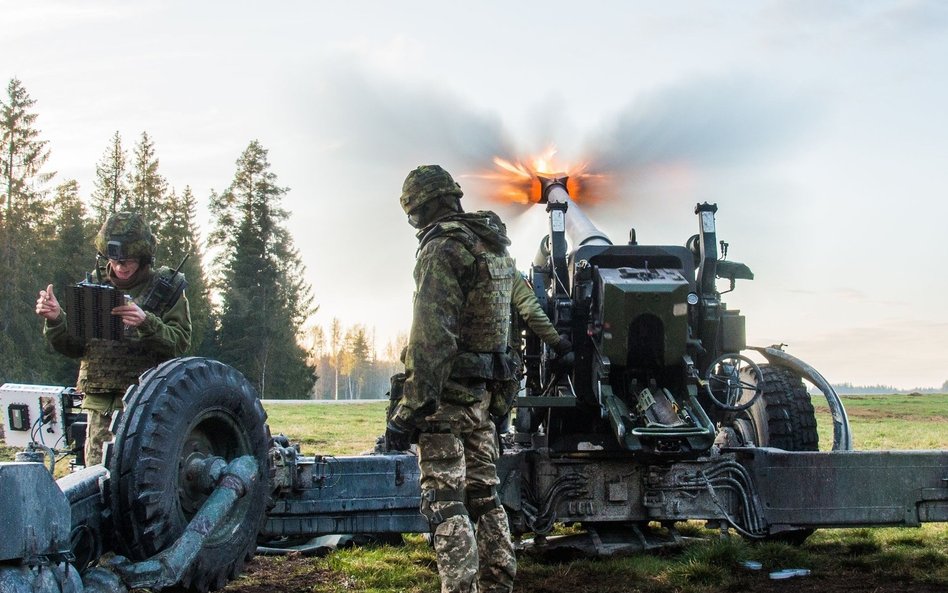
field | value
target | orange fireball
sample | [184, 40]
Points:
[515, 181]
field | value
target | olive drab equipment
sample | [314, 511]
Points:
[166, 288]
[118, 363]
[126, 235]
[485, 318]
[426, 183]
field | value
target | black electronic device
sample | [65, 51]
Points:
[89, 311]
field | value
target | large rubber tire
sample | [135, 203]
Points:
[783, 416]
[184, 408]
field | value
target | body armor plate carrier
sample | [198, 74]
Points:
[116, 364]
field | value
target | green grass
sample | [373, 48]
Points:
[889, 421]
[877, 422]
[7, 453]
[329, 429]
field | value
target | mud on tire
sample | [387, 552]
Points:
[783, 416]
[184, 408]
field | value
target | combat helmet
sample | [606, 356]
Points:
[425, 183]
[126, 235]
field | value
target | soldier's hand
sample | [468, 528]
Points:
[132, 315]
[47, 306]
[398, 436]
[563, 347]
[564, 355]
[401, 430]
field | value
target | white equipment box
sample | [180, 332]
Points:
[32, 413]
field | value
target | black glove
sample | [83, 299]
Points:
[402, 428]
[564, 355]
[398, 436]
[563, 347]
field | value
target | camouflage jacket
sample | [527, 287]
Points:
[525, 303]
[157, 339]
[445, 271]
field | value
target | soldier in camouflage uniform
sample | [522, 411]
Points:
[457, 348]
[153, 334]
[525, 309]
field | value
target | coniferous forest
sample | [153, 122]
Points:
[249, 300]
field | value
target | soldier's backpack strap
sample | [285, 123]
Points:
[163, 292]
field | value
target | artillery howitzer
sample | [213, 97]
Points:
[661, 418]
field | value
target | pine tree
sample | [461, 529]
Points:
[72, 236]
[264, 296]
[71, 257]
[24, 222]
[173, 230]
[315, 353]
[147, 188]
[335, 344]
[111, 189]
[179, 238]
[358, 361]
[198, 290]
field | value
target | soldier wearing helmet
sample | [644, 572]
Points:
[157, 323]
[457, 353]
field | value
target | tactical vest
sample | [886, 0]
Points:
[485, 318]
[113, 365]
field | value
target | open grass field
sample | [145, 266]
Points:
[847, 560]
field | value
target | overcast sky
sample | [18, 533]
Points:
[818, 127]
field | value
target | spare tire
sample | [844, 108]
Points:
[783, 415]
[182, 410]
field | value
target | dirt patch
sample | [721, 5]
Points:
[285, 574]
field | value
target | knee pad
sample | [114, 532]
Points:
[439, 505]
[481, 500]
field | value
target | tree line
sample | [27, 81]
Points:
[248, 263]
[850, 389]
[346, 361]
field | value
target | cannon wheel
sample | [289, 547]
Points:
[783, 416]
[185, 409]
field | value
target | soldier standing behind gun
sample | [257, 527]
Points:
[154, 331]
[457, 346]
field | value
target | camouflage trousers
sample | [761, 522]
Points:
[458, 477]
[98, 430]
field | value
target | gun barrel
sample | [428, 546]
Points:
[580, 230]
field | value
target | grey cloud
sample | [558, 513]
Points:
[370, 117]
[709, 122]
